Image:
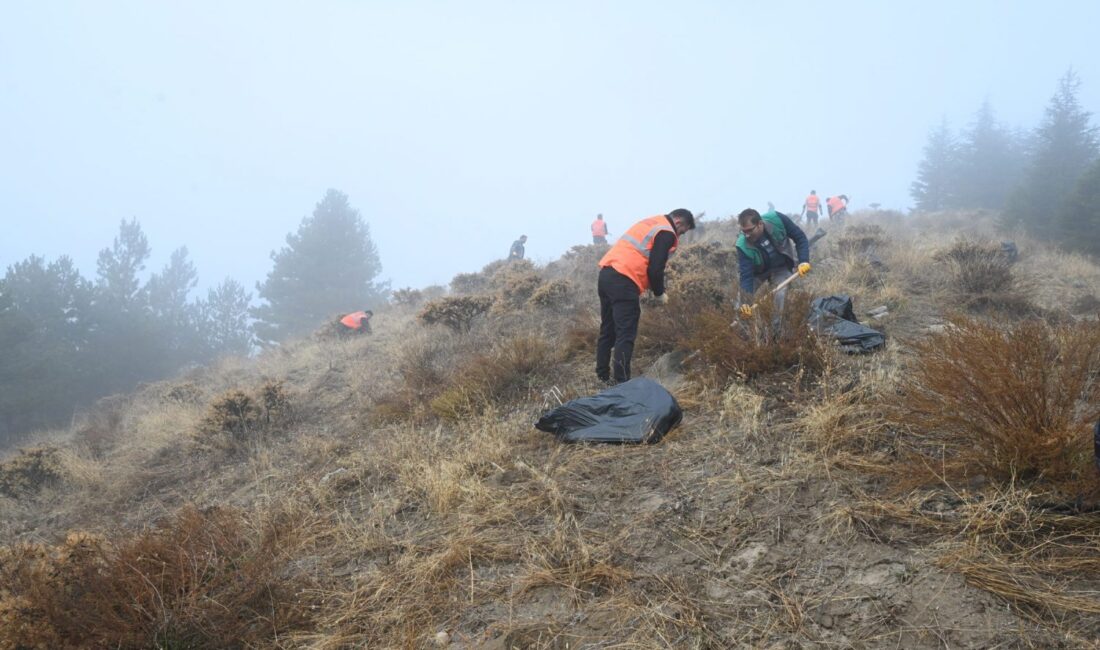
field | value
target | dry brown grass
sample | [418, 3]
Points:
[203, 579]
[31, 470]
[509, 371]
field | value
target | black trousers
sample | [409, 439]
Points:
[620, 309]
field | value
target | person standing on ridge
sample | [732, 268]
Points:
[812, 208]
[764, 254]
[635, 263]
[517, 250]
[599, 230]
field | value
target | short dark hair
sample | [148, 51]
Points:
[683, 215]
[748, 215]
[367, 311]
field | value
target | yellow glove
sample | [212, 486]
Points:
[746, 311]
[663, 298]
[803, 268]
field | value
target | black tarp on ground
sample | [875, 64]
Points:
[833, 315]
[634, 412]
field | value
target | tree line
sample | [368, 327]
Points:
[69, 340]
[1045, 180]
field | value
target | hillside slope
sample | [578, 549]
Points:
[390, 490]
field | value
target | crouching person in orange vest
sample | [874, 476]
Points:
[634, 264]
[356, 322]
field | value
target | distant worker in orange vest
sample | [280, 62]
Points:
[812, 208]
[635, 263]
[357, 322]
[838, 208]
[599, 230]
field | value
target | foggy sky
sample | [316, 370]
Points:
[454, 127]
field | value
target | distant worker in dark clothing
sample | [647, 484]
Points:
[357, 322]
[764, 254]
[838, 208]
[812, 208]
[599, 230]
[635, 263]
[517, 250]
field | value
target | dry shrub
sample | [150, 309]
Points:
[423, 368]
[1085, 303]
[469, 283]
[101, 427]
[407, 297]
[30, 471]
[1007, 403]
[202, 579]
[516, 289]
[753, 347]
[507, 372]
[700, 290]
[237, 417]
[455, 313]
[861, 239]
[981, 278]
[710, 258]
[552, 295]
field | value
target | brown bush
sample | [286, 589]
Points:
[235, 414]
[202, 579]
[753, 347]
[552, 295]
[981, 278]
[1014, 403]
[516, 288]
[101, 427]
[507, 372]
[469, 283]
[424, 370]
[698, 260]
[456, 313]
[861, 239]
[407, 296]
[30, 471]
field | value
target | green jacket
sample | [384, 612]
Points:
[778, 234]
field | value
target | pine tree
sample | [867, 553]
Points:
[935, 187]
[1065, 144]
[1079, 220]
[178, 320]
[326, 268]
[990, 163]
[225, 319]
[43, 368]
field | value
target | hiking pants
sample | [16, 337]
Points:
[620, 309]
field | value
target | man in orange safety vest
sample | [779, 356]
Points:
[357, 322]
[635, 263]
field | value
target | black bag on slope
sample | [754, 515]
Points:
[634, 412]
[834, 315]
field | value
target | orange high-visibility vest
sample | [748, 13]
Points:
[353, 320]
[834, 203]
[812, 203]
[599, 228]
[630, 255]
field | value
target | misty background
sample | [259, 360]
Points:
[179, 183]
[220, 125]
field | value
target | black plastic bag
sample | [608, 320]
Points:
[634, 412]
[833, 315]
